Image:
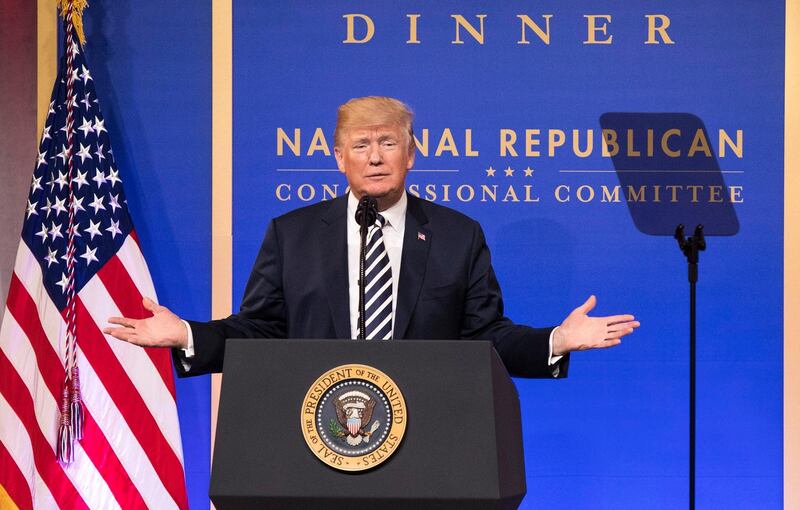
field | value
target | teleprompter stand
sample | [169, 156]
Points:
[462, 447]
[691, 248]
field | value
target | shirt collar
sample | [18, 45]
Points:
[395, 215]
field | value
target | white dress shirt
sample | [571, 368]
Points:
[393, 230]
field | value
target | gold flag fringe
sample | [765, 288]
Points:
[77, 14]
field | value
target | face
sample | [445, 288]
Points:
[375, 161]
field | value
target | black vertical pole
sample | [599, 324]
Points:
[692, 247]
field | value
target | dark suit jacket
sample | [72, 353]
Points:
[447, 289]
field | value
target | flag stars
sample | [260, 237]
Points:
[59, 206]
[46, 207]
[99, 153]
[64, 154]
[89, 255]
[36, 183]
[55, 231]
[43, 233]
[84, 152]
[50, 109]
[92, 230]
[31, 210]
[97, 204]
[113, 177]
[86, 102]
[98, 126]
[99, 177]
[46, 134]
[52, 257]
[114, 203]
[41, 159]
[85, 75]
[114, 229]
[63, 283]
[73, 231]
[77, 205]
[80, 180]
[86, 127]
[61, 181]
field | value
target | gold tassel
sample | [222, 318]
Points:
[77, 15]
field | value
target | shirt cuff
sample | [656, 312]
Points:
[551, 360]
[188, 352]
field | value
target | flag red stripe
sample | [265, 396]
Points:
[23, 309]
[19, 398]
[95, 445]
[129, 301]
[130, 404]
[13, 481]
[98, 449]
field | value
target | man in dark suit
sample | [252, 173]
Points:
[433, 266]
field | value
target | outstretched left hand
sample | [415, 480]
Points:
[579, 332]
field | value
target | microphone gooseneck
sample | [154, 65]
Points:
[366, 214]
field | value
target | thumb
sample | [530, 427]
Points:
[588, 306]
[151, 305]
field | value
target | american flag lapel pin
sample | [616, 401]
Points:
[420, 236]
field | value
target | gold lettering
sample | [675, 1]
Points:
[699, 143]
[631, 151]
[461, 21]
[422, 147]
[543, 35]
[555, 139]
[531, 142]
[592, 28]
[318, 143]
[279, 195]
[446, 143]
[725, 140]
[468, 144]
[576, 148]
[736, 194]
[661, 28]
[634, 196]
[558, 191]
[294, 144]
[610, 196]
[610, 139]
[351, 29]
[508, 137]
[412, 28]
[490, 191]
[665, 142]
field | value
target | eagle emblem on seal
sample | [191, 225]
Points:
[354, 413]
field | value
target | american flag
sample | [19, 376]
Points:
[130, 454]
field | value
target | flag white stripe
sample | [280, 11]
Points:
[82, 473]
[136, 363]
[132, 259]
[16, 440]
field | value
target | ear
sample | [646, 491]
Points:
[411, 153]
[339, 158]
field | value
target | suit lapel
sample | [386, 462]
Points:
[416, 244]
[333, 249]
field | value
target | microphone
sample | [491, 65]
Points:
[366, 214]
[367, 211]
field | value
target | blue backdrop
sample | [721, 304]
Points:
[614, 434]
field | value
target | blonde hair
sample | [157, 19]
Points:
[372, 111]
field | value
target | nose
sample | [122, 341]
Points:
[375, 158]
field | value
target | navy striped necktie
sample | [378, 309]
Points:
[378, 290]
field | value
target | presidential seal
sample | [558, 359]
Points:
[353, 417]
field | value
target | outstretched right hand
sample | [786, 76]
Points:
[163, 329]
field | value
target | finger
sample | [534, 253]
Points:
[123, 321]
[120, 333]
[617, 319]
[151, 305]
[623, 325]
[611, 342]
[619, 334]
[588, 305]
